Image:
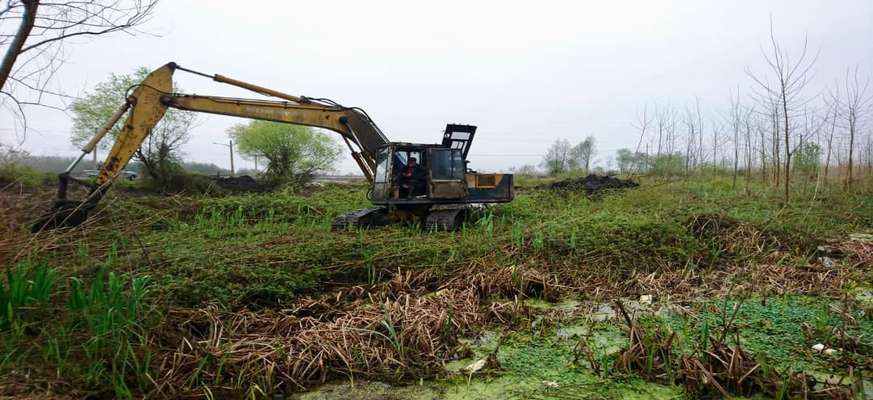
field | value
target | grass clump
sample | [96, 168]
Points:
[96, 340]
[26, 286]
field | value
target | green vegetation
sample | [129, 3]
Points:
[293, 152]
[90, 336]
[784, 329]
[106, 308]
[17, 173]
[159, 153]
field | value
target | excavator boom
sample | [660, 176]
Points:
[151, 98]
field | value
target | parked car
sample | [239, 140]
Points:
[92, 173]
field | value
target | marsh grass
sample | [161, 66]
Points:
[97, 339]
[244, 257]
[27, 286]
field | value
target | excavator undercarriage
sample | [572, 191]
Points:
[427, 184]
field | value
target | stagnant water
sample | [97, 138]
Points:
[537, 362]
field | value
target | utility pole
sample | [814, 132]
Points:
[229, 146]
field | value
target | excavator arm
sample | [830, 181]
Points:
[151, 98]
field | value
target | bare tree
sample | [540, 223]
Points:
[848, 108]
[583, 153]
[869, 154]
[644, 121]
[557, 158]
[665, 119]
[736, 124]
[35, 49]
[693, 134]
[761, 127]
[160, 151]
[830, 120]
[791, 77]
[717, 130]
[748, 125]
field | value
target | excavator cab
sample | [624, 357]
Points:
[445, 192]
[447, 178]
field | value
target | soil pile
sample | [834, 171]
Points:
[593, 183]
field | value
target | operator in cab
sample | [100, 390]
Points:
[412, 179]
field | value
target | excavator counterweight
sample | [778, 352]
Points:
[429, 183]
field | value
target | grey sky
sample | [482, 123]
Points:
[526, 73]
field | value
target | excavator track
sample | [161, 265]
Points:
[446, 219]
[361, 218]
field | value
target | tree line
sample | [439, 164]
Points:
[777, 131]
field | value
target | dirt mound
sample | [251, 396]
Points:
[593, 183]
[238, 184]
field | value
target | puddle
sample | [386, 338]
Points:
[603, 312]
[365, 390]
[572, 332]
[480, 347]
[565, 305]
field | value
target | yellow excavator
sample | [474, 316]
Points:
[447, 190]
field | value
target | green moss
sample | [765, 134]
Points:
[775, 327]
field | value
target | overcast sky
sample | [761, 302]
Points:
[527, 73]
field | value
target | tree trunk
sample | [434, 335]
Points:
[851, 151]
[777, 162]
[787, 149]
[736, 154]
[763, 157]
[28, 18]
[830, 145]
[748, 154]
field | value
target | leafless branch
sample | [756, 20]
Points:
[35, 51]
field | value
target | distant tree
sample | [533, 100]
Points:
[558, 158]
[784, 95]
[666, 164]
[35, 49]
[807, 158]
[693, 121]
[203, 168]
[735, 124]
[526, 170]
[665, 120]
[160, 152]
[849, 108]
[294, 153]
[583, 153]
[11, 155]
[831, 116]
[624, 160]
[631, 162]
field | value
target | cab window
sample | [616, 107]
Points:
[382, 166]
[447, 164]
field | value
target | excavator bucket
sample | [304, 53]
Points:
[64, 213]
[146, 109]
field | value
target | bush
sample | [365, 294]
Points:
[14, 172]
[181, 182]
